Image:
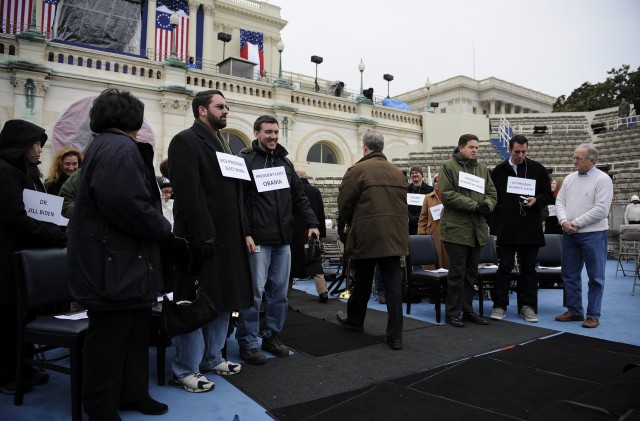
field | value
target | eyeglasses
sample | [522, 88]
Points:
[579, 158]
[221, 106]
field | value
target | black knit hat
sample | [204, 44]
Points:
[416, 168]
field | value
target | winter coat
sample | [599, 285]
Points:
[513, 223]
[428, 226]
[414, 211]
[209, 206]
[117, 222]
[372, 200]
[300, 266]
[459, 224]
[269, 215]
[17, 230]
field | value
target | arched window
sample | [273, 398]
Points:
[80, 61]
[321, 152]
[51, 55]
[235, 142]
[98, 65]
[89, 63]
[70, 60]
[116, 67]
[12, 50]
[107, 66]
[125, 69]
[60, 58]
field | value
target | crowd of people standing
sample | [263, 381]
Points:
[245, 226]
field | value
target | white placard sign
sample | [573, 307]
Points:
[552, 210]
[274, 178]
[233, 166]
[436, 211]
[44, 207]
[521, 186]
[415, 199]
[471, 182]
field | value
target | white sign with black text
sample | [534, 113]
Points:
[44, 207]
[471, 182]
[233, 166]
[415, 199]
[521, 186]
[268, 179]
[436, 211]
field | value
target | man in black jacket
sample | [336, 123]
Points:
[416, 190]
[271, 198]
[524, 191]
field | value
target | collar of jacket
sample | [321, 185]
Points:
[280, 150]
[372, 155]
[464, 160]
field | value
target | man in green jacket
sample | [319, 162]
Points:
[372, 201]
[468, 195]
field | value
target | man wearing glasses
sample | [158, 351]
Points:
[582, 207]
[524, 190]
[208, 206]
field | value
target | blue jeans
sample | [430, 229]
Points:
[590, 249]
[201, 348]
[270, 269]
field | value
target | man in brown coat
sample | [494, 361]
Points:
[372, 200]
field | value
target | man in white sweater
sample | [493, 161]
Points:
[582, 207]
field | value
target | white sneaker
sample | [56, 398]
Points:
[225, 368]
[528, 314]
[498, 314]
[195, 383]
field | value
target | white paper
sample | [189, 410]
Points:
[547, 267]
[169, 296]
[552, 210]
[233, 166]
[441, 270]
[268, 179]
[487, 266]
[415, 199]
[73, 316]
[436, 211]
[44, 207]
[521, 186]
[471, 182]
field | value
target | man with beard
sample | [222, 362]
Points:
[208, 206]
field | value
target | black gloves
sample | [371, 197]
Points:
[483, 208]
[177, 250]
[207, 249]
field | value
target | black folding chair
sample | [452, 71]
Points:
[43, 282]
[487, 269]
[422, 251]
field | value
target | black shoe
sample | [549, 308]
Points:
[454, 321]
[147, 406]
[393, 343]
[252, 356]
[474, 318]
[274, 345]
[344, 321]
[323, 297]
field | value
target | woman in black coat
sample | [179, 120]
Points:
[20, 146]
[114, 258]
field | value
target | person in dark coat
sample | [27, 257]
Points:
[519, 228]
[301, 265]
[209, 206]
[114, 258]
[20, 147]
[268, 235]
[372, 200]
[417, 187]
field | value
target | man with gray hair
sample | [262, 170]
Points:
[372, 202]
[582, 207]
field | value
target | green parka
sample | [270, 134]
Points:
[459, 224]
[373, 202]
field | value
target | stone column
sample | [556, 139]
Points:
[207, 37]
[176, 116]
[151, 30]
[502, 108]
[193, 13]
[492, 106]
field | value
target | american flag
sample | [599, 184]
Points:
[16, 15]
[164, 10]
[48, 15]
[252, 49]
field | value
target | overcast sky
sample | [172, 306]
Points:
[551, 46]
